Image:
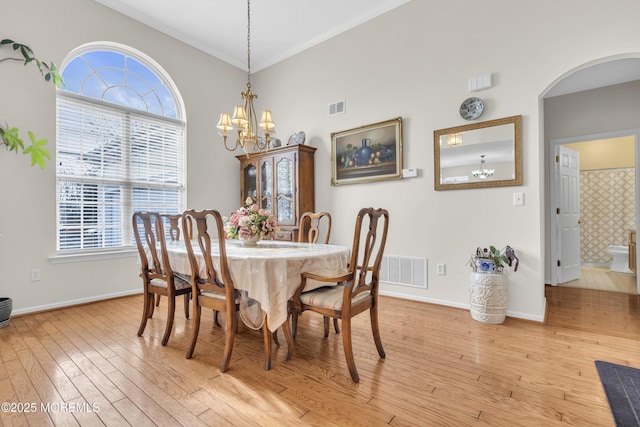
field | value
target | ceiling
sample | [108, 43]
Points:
[279, 28]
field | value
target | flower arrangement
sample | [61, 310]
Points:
[493, 260]
[250, 222]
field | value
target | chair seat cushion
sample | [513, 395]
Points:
[329, 297]
[178, 281]
[217, 295]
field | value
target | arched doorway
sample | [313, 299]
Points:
[597, 99]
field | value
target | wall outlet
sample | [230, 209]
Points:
[441, 269]
[35, 275]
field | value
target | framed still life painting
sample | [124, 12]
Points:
[368, 153]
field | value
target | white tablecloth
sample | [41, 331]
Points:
[269, 272]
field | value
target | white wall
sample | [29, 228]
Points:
[412, 62]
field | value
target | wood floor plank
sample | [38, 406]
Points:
[105, 410]
[26, 394]
[155, 412]
[134, 415]
[158, 393]
[9, 416]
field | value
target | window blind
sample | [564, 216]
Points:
[112, 161]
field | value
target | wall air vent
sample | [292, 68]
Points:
[336, 108]
[404, 271]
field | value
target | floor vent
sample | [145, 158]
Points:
[336, 108]
[404, 271]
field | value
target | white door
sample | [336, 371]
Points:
[568, 213]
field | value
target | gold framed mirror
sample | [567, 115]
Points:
[479, 155]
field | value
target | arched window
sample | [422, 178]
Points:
[120, 146]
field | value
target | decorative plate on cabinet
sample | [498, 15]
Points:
[297, 138]
[471, 108]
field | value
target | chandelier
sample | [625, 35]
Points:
[483, 172]
[244, 119]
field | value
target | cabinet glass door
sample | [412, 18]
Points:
[266, 191]
[284, 191]
[250, 177]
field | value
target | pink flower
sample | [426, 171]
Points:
[249, 221]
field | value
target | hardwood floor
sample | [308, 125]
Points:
[442, 368]
[602, 279]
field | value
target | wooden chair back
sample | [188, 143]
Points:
[207, 229]
[174, 225]
[311, 226]
[148, 230]
[369, 241]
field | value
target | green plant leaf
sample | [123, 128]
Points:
[12, 139]
[37, 151]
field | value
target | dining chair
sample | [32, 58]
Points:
[174, 233]
[312, 225]
[213, 288]
[157, 276]
[210, 289]
[357, 290]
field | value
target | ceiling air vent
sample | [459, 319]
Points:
[336, 108]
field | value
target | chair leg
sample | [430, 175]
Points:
[375, 329]
[151, 307]
[195, 326]
[171, 312]
[215, 318]
[276, 340]
[158, 299]
[267, 345]
[230, 333]
[148, 297]
[287, 335]
[294, 323]
[186, 305]
[348, 349]
[335, 325]
[326, 326]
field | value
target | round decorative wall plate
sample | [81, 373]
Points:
[471, 108]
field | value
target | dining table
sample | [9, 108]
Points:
[267, 274]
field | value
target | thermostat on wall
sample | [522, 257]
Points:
[409, 173]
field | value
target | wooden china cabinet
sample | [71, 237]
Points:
[281, 180]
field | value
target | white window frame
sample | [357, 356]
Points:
[126, 182]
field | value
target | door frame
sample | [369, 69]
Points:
[635, 132]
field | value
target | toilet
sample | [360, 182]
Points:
[620, 262]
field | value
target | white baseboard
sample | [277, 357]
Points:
[458, 305]
[69, 303]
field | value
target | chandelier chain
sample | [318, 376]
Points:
[249, 41]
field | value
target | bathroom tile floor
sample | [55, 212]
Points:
[602, 279]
